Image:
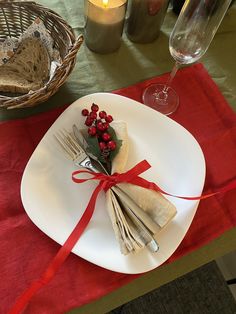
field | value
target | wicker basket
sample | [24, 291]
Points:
[15, 18]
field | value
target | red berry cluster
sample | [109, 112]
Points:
[98, 123]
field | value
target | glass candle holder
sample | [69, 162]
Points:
[104, 22]
[145, 19]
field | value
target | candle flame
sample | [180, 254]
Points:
[105, 3]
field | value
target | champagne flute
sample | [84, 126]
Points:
[190, 38]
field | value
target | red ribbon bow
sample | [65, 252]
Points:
[132, 176]
[105, 182]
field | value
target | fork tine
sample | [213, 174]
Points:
[69, 144]
[64, 144]
[66, 138]
[74, 142]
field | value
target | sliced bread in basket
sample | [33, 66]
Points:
[27, 70]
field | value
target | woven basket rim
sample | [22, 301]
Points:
[62, 72]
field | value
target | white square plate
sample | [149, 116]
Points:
[55, 203]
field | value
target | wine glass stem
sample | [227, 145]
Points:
[171, 77]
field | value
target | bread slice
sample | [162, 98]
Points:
[14, 82]
[27, 70]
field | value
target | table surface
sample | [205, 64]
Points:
[133, 63]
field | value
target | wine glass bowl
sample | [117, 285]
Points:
[190, 38]
[186, 48]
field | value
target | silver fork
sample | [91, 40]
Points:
[80, 158]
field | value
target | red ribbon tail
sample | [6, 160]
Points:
[60, 257]
[152, 186]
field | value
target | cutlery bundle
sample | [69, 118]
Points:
[137, 214]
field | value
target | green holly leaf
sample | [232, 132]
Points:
[114, 152]
[93, 148]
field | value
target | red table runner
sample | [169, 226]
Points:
[26, 251]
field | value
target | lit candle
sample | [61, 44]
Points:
[104, 21]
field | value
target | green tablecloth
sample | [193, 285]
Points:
[131, 64]
[134, 62]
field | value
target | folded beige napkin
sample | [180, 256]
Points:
[153, 210]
